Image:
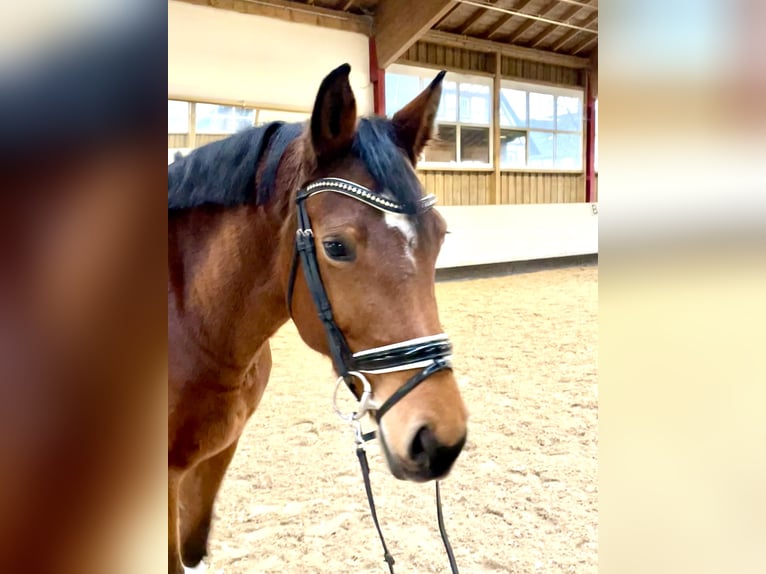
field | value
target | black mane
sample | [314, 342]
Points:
[223, 172]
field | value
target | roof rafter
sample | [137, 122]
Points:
[572, 33]
[394, 35]
[492, 30]
[548, 30]
[521, 30]
[584, 44]
[481, 45]
[294, 12]
[471, 20]
[447, 14]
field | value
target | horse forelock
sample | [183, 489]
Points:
[394, 176]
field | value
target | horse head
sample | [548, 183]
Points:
[375, 244]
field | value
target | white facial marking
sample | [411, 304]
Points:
[402, 223]
[201, 568]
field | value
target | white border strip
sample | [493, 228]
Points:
[417, 341]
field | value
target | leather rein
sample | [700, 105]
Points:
[429, 354]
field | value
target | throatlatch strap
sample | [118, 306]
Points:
[362, 455]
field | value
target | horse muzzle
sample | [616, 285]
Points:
[428, 458]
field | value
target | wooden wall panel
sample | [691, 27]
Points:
[526, 184]
[178, 140]
[473, 187]
[594, 191]
[457, 187]
[461, 59]
[530, 187]
[434, 55]
[203, 139]
[525, 70]
[183, 140]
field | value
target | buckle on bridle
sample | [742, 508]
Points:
[364, 403]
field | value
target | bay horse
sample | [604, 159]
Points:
[349, 189]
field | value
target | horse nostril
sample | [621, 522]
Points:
[423, 444]
[430, 455]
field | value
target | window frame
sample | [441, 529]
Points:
[188, 116]
[214, 132]
[192, 135]
[426, 75]
[555, 91]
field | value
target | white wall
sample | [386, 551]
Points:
[224, 55]
[481, 234]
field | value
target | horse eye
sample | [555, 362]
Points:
[336, 249]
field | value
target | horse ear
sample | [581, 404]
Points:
[414, 123]
[333, 121]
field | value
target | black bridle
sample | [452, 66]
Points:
[430, 354]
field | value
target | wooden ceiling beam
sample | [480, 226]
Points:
[551, 28]
[586, 43]
[294, 12]
[447, 14]
[521, 30]
[471, 20]
[401, 23]
[572, 33]
[492, 30]
[481, 45]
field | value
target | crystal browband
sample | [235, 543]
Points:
[351, 189]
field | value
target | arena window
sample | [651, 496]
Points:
[265, 116]
[464, 118]
[215, 119]
[178, 117]
[213, 122]
[541, 127]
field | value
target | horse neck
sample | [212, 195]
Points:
[229, 267]
[228, 295]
